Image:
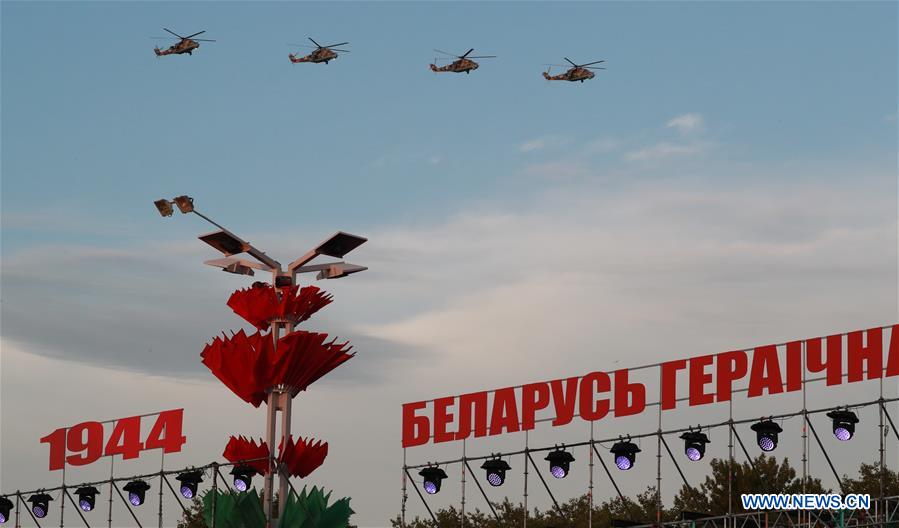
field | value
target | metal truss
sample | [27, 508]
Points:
[885, 510]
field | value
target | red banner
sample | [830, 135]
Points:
[709, 379]
[86, 442]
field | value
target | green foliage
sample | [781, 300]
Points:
[245, 510]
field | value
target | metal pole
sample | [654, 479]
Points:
[111, 467]
[423, 501]
[283, 473]
[77, 508]
[128, 505]
[270, 431]
[18, 507]
[804, 426]
[403, 507]
[730, 461]
[215, 491]
[486, 498]
[464, 465]
[659, 462]
[161, 478]
[62, 503]
[676, 465]
[881, 435]
[525, 521]
[826, 456]
[545, 485]
[590, 487]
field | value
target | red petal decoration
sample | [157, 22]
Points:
[241, 450]
[250, 365]
[261, 303]
[303, 457]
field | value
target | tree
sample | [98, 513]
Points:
[764, 475]
[868, 481]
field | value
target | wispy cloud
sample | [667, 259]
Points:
[665, 150]
[532, 145]
[686, 123]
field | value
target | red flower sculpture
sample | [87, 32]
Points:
[241, 450]
[302, 458]
[260, 304]
[250, 365]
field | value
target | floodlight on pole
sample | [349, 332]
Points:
[229, 245]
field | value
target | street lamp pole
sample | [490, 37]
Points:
[280, 397]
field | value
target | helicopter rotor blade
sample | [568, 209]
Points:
[203, 40]
[570, 61]
[340, 50]
[334, 45]
[482, 57]
[314, 42]
[195, 34]
[448, 53]
[173, 33]
[466, 53]
[594, 62]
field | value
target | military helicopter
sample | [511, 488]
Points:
[578, 72]
[186, 45]
[463, 63]
[320, 54]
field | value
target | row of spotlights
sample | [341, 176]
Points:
[625, 451]
[137, 492]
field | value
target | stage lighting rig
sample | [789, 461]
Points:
[190, 481]
[137, 491]
[87, 497]
[694, 444]
[766, 433]
[843, 424]
[40, 504]
[559, 463]
[243, 477]
[496, 471]
[432, 476]
[625, 453]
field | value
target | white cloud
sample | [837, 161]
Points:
[665, 149]
[532, 145]
[686, 123]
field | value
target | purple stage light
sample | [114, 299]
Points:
[767, 443]
[186, 492]
[85, 505]
[135, 499]
[39, 511]
[693, 454]
[842, 434]
[494, 479]
[558, 471]
[240, 484]
[2, 518]
[623, 462]
[430, 487]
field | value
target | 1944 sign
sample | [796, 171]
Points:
[83, 444]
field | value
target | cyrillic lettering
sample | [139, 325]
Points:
[669, 382]
[505, 412]
[699, 378]
[794, 366]
[765, 373]
[814, 358]
[629, 398]
[730, 367]
[893, 357]
[563, 399]
[534, 397]
[442, 418]
[416, 429]
[861, 356]
[592, 384]
[467, 402]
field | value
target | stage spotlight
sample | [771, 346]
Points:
[189, 482]
[625, 454]
[559, 463]
[87, 497]
[766, 434]
[432, 477]
[843, 424]
[496, 471]
[40, 504]
[5, 508]
[243, 475]
[694, 444]
[137, 490]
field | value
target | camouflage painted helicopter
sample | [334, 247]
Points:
[463, 63]
[577, 72]
[320, 54]
[186, 45]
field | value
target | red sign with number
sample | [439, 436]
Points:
[86, 442]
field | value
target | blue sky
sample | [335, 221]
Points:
[729, 180]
